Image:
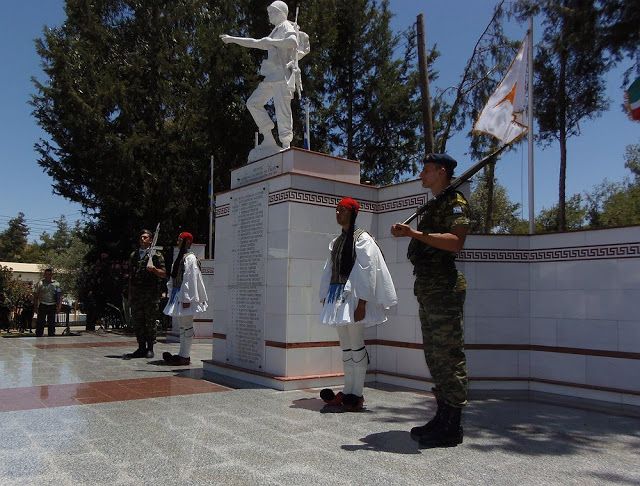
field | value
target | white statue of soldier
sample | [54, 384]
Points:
[285, 46]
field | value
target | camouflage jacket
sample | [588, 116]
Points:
[427, 260]
[143, 281]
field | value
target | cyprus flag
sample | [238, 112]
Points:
[503, 116]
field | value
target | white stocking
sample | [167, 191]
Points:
[186, 335]
[360, 360]
[355, 362]
[347, 362]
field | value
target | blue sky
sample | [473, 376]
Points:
[455, 26]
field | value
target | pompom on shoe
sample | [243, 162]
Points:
[331, 398]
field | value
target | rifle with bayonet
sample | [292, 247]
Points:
[153, 249]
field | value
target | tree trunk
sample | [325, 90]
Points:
[427, 119]
[562, 125]
[488, 218]
[350, 152]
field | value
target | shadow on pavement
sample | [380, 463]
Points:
[394, 441]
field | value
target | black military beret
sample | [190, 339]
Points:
[145, 232]
[442, 159]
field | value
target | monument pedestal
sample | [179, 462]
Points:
[273, 230]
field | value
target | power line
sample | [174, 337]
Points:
[37, 226]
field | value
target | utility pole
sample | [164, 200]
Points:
[424, 87]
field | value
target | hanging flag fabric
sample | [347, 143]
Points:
[503, 116]
[632, 100]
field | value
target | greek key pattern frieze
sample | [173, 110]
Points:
[517, 256]
[596, 252]
[222, 211]
[409, 202]
[317, 199]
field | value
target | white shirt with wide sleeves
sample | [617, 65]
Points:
[369, 280]
[192, 291]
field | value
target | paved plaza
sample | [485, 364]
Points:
[73, 412]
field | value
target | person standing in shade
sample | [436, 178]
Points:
[144, 294]
[6, 307]
[27, 311]
[47, 299]
[187, 296]
[441, 289]
[355, 289]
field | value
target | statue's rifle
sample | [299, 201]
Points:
[153, 249]
[296, 75]
[465, 176]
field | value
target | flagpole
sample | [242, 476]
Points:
[532, 226]
[211, 209]
[307, 130]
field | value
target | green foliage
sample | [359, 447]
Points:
[13, 240]
[572, 58]
[133, 113]
[369, 97]
[506, 219]
[617, 204]
[547, 219]
[620, 32]
[15, 291]
[596, 200]
[66, 253]
[622, 208]
[104, 281]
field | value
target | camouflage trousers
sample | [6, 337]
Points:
[441, 302]
[144, 313]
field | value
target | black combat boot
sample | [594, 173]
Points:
[417, 432]
[447, 432]
[149, 353]
[141, 352]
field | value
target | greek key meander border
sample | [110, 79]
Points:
[595, 252]
[321, 199]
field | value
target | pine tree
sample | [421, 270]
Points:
[367, 93]
[569, 72]
[13, 240]
[138, 95]
[504, 217]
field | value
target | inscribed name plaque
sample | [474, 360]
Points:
[256, 171]
[247, 283]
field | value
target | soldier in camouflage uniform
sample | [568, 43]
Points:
[440, 289]
[144, 294]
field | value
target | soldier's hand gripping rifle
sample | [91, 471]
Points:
[153, 249]
[465, 176]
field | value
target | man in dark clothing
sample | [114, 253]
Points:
[144, 294]
[47, 299]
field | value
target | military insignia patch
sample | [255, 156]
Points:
[457, 210]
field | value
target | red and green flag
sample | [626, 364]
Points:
[632, 100]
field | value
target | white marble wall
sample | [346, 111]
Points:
[564, 320]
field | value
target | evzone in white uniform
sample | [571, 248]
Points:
[368, 282]
[187, 297]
